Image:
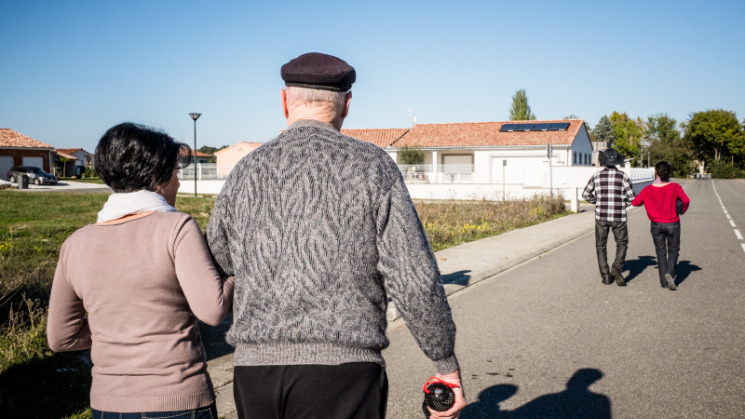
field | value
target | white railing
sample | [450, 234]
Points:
[639, 174]
[205, 171]
[446, 173]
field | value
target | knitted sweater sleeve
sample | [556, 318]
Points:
[210, 297]
[67, 325]
[412, 278]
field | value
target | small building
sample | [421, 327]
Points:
[228, 157]
[17, 149]
[72, 161]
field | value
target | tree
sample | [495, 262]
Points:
[410, 156]
[211, 151]
[603, 131]
[628, 134]
[716, 135]
[520, 110]
[666, 143]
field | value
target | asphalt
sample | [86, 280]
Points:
[461, 267]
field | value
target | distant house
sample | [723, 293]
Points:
[228, 157]
[72, 161]
[497, 152]
[17, 149]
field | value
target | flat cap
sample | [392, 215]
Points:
[319, 71]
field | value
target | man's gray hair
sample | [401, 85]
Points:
[331, 100]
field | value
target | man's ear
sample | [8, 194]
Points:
[286, 112]
[346, 105]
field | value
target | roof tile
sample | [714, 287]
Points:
[486, 134]
[10, 138]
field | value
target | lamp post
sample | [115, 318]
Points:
[195, 116]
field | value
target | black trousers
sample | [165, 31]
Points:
[666, 237]
[347, 391]
[621, 234]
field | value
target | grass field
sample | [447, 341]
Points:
[35, 382]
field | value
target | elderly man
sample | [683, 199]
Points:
[611, 192]
[319, 231]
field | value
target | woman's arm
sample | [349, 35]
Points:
[67, 325]
[210, 297]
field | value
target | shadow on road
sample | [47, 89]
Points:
[636, 267]
[459, 277]
[213, 338]
[576, 401]
[683, 269]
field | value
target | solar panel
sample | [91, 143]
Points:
[542, 127]
[507, 127]
[559, 126]
[524, 127]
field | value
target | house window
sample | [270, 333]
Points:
[574, 157]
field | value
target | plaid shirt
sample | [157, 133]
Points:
[610, 190]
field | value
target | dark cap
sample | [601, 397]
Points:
[610, 157]
[319, 71]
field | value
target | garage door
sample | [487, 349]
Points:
[34, 161]
[6, 162]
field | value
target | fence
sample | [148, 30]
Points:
[450, 181]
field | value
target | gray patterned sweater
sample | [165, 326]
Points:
[319, 230]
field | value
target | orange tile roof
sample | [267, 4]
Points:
[383, 137]
[65, 155]
[68, 150]
[487, 134]
[10, 138]
[198, 153]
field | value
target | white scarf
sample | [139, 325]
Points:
[121, 204]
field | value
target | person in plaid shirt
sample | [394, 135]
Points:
[611, 193]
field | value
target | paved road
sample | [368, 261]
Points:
[639, 351]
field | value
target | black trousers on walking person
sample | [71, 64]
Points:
[348, 391]
[621, 234]
[666, 237]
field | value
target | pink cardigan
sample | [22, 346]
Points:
[132, 293]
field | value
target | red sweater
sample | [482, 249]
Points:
[659, 201]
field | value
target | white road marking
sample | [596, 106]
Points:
[732, 223]
[743, 246]
[728, 217]
[737, 233]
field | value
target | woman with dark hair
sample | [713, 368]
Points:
[659, 199]
[132, 286]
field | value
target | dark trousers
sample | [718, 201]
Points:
[666, 237]
[347, 391]
[621, 234]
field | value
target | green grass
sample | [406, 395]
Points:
[35, 382]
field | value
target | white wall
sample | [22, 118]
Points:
[567, 180]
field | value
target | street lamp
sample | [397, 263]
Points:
[195, 116]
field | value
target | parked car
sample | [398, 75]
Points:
[35, 175]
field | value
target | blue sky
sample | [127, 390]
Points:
[69, 70]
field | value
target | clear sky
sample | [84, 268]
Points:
[71, 69]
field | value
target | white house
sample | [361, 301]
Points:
[496, 152]
[72, 161]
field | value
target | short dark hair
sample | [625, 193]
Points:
[663, 170]
[130, 157]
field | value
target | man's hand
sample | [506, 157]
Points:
[460, 397]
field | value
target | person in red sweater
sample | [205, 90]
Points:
[659, 199]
